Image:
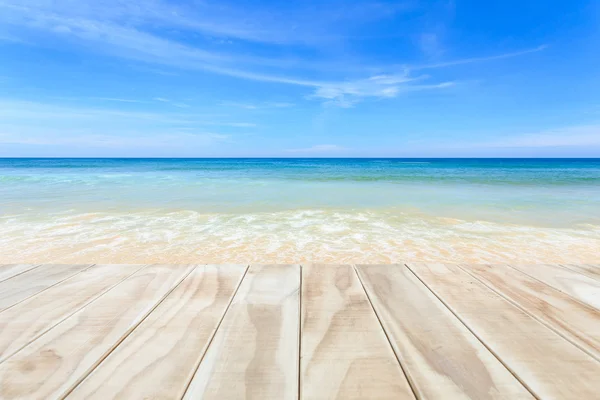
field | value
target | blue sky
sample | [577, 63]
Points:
[267, 78]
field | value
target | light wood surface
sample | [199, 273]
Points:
[425, 331]
[158, 360]
[550, 366]
[577, 322]
[28, 283]
[345, 353]
[55, 363]
[254, 354]
[581, 287]
[592, 271]
[10, 270]
[440, 355]
[26, 321]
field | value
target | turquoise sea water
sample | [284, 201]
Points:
[285, 210]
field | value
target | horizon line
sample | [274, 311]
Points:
[297, 158]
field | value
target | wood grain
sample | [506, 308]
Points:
[159, 358]
[345, 353]
[575, 321]
[10, 270]
[31, 318]
[55, 363]
[254, 354]
[576, 285]
[28, 283]
[441, 357]
[549, 365]
[590, 270]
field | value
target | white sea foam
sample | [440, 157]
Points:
[315, 235]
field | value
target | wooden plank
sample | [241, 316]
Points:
[581, 287]
[159, 358]
[25, 285]
[254, 354]
[23, 323]
[441, 357]
[55, 363]
[549, 365]
[345, 353]
[9, 270]
[590, 270]
[575, 321]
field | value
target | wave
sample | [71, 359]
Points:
[310, 235]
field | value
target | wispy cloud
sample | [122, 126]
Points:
[5, 37]
[171, 102]
[126, 30]
[347, 94]
[480, 59]
[293, 23]
[123, 140]
[38, 128]
[35, 114]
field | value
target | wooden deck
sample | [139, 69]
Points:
[417, 331]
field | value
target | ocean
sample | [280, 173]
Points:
[299, 210]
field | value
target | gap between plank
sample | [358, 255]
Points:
[554, 287]
[546, 324]
[474, 334]
[43, 290]
[591, 276]
[69, 315]
[404, 370]
[124, 336]
[187, 387]
[22, 272]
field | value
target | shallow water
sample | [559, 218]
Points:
[310, 210]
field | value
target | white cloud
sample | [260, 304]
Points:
[375, 86]
[347, 94]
